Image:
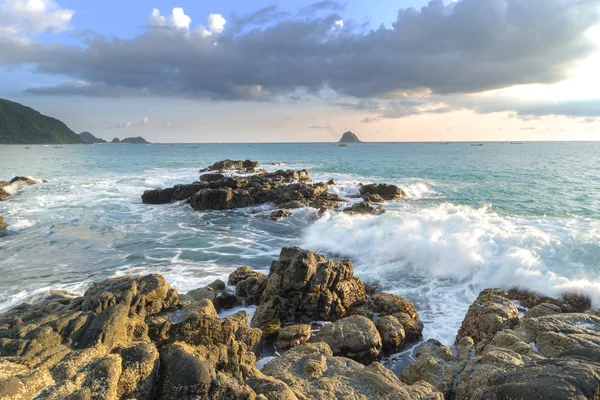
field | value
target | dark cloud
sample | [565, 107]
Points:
[369, 120]
[463, 47]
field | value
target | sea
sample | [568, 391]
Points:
[475, 217]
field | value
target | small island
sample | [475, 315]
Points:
[131, 140]
[349, 137]
[89, 138]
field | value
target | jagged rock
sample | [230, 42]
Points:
[279, 214]
[355, 337]
[250, 290]
[228, 165]
[392, 304]
[364, 208]
[93, 346]
[569, 302]
[226, 300]
[243, 273]
[391, 332]
[555, 334]
[304, 286]
[211, 177]
[489, 314]
[385, 191]
[542, 310]
[3, 224]
[292, 336]
[312, 372]
[286, 189]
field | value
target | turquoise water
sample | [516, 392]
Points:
[498, 215]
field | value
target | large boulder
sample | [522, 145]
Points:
[311, 371]
[243, 273]
[304, 286]
[489, 314]
[355, 337]
[384, 191]
[392, 333]
[292, 336]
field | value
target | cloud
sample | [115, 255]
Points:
[427, 61]
[145, 121]
[318, 127]
[31, 17]
[369, 120]
[124, 125]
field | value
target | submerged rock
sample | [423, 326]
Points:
[3, 224]
[304, 286]
[279, 214]
[364, 208]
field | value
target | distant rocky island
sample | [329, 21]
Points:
[88, 138]
[131, 140]
[349, 137]
[20, 124]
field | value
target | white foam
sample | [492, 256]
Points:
[442, 256]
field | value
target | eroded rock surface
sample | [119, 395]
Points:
[304, 286]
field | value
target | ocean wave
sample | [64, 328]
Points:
[442, 256]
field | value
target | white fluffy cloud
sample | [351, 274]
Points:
[216, 23]
[178, 19]
[31, 17]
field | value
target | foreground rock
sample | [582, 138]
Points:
[553, 356]
[107, 345]
[304, 286]
[310, 371]
[3, 224]
[7, 189]
[354, 337]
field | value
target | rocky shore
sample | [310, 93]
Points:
[231, 184]
[323, 329]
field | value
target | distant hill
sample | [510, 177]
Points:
[131, 140]
[349, 137]
[88, 138]
[20, 124]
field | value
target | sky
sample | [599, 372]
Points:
[257, 71]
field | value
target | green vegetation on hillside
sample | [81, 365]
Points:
[88, 138]
[24, 125]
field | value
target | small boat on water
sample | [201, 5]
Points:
[477, 144]
[342, 145]
[166, 146]
[28, 147]
[192, 147]
[516, 143]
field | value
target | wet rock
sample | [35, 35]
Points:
[413, 328]
[373, 198]
[184, 376]
[542, 310]
[292, 336]
[228, 165]
[312, 372]
[226, 300]
[217, 285]
[391, 332]
[387, 192]
[355, 337]
[304, 286]
[7, 189]
[243, 273]
[364, 208]
[489, 314]
[568, 302]
[250, 290]
[331, 182]
[391, 304]
[3, 224]
[286, 189]
[279, 214]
